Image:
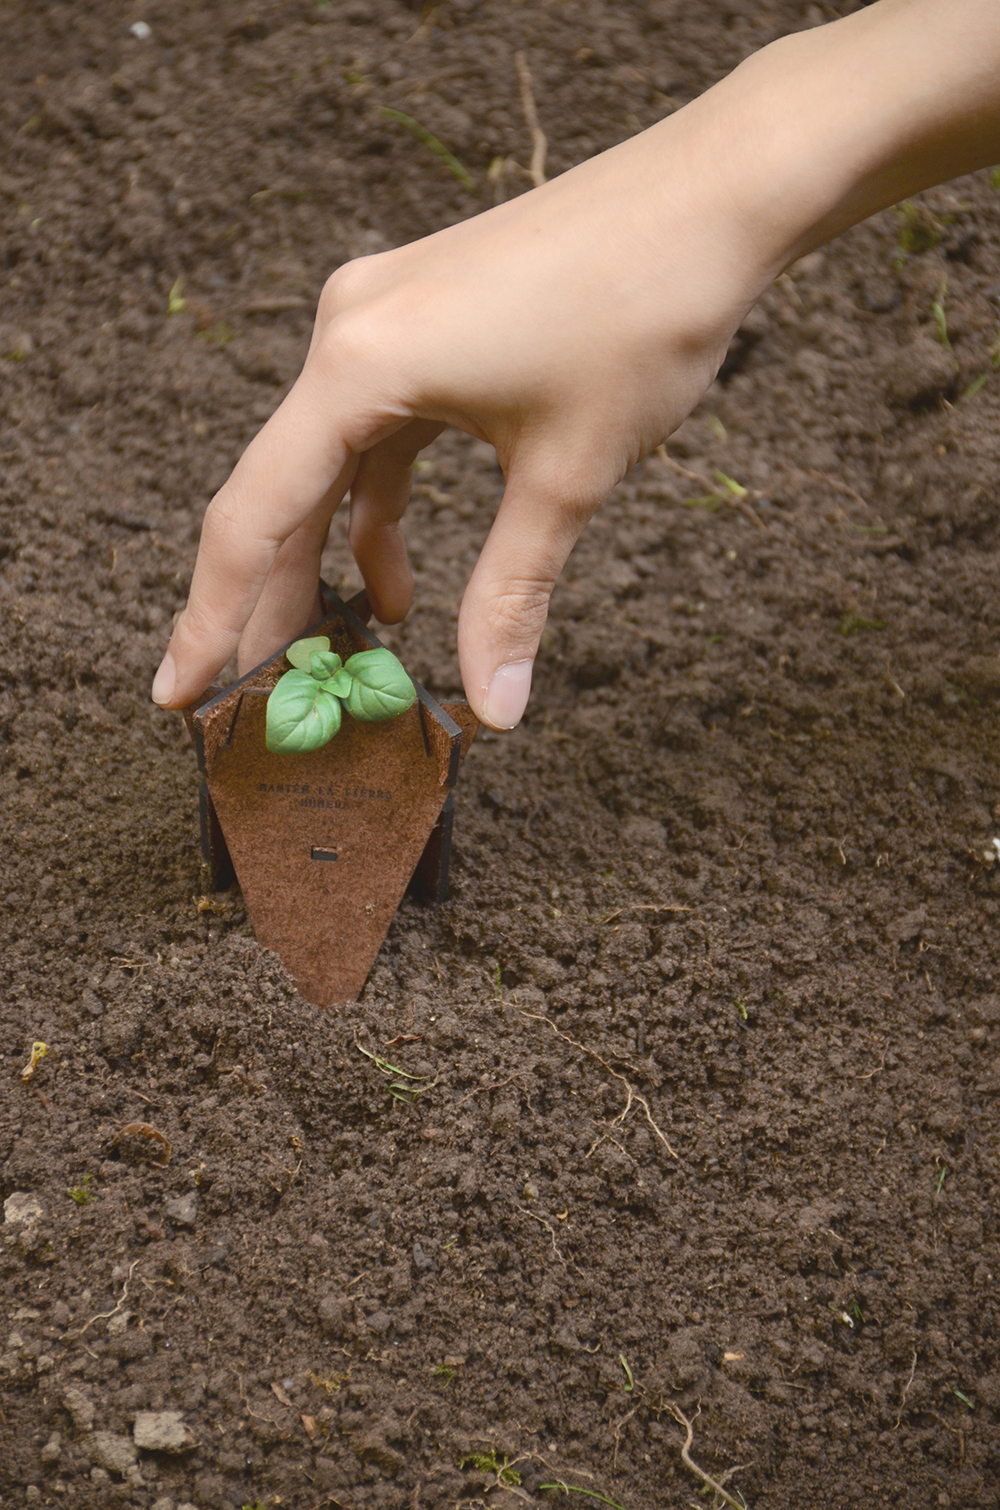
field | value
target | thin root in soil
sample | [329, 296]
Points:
[721, 1494]
[632, 1095]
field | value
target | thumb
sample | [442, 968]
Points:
[506, 601]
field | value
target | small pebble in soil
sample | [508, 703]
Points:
[182, 1210]
[162, 1431]
[21, 1207]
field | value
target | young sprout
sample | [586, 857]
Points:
[305, 708]
[38, 1053]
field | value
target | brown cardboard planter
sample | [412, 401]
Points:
[325, 845]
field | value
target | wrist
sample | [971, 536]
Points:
[833, 124]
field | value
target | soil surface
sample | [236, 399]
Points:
[708, 1035]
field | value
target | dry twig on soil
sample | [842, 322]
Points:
[539, 145]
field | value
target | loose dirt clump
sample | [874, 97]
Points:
[707, 1040]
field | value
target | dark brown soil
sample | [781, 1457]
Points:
[713, 1018]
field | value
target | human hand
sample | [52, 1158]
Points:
[574, 328]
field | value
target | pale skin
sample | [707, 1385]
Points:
[573, 328]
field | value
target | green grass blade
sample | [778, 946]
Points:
[575, 1489]
[439, 149]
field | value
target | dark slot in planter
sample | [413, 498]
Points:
[324, 845]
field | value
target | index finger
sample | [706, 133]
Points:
[300, 459]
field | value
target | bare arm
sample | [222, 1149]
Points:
[574, 328]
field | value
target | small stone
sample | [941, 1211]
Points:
[332, 1311]
[118, 1323]
[644, 833]
[32, 1494]
[80, 1408]
[531, 1190]
[116, 1454]
[23, 1207]
[98, 1476]
[921, 373]
[162, 1431]
[166, 1503]
[182, 1210]
[52, 1450]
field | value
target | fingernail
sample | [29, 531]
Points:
[507, 694]
[164, 681]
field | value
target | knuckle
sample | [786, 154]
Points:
[348, 285]
[222, 526]
[516, 614]
[351, 338]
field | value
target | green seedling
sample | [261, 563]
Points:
[974, 387]
[920, 229]
[730, 484]
[445, 1373]
[971, 1404]
[941, 322]
[575, 1489]
[995, 178]
[851, 623]
[38, 1053]
[629, 1385]
[406, 1087]
[176, 302]
[719, 429]
[488, 1462]
[305, 708]
[82, 1194]
[957, 696]
[940, 318]
[428, 138]
[741, 1007]
[941, 1179]
[220, 334]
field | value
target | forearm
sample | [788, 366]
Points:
[836, 123]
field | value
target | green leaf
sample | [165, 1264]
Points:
[301, 653]
[301, 716]
[380, 688]
[339, 684]
[323, 663]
